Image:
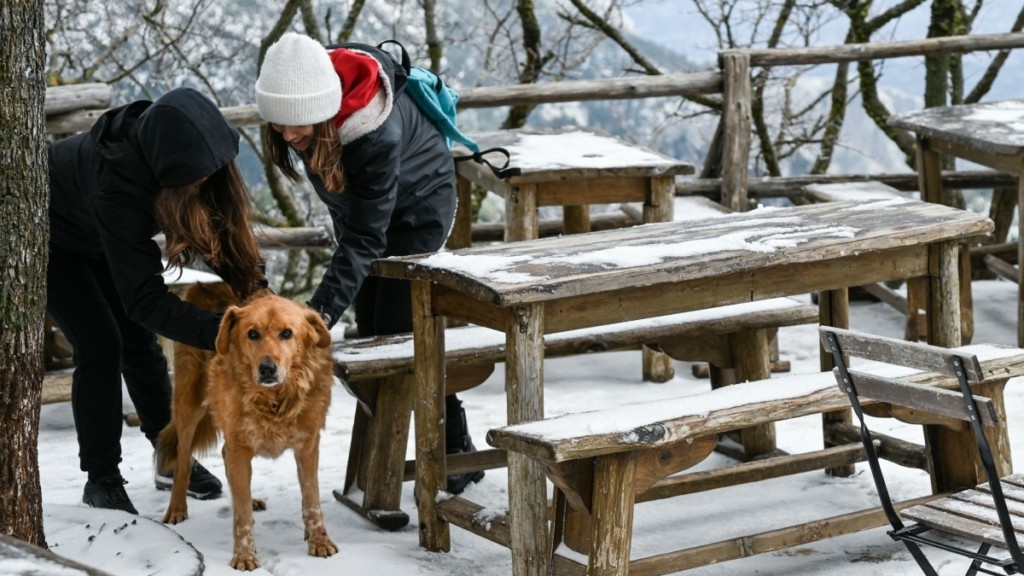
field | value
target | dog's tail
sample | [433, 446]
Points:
[204, 439]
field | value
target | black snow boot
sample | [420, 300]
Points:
[457, 441]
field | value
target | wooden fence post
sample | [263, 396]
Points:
[736, 120]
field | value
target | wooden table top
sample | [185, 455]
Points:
[990, 127]
[669, 253]
[546, 155]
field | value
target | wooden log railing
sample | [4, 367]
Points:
[74, 108]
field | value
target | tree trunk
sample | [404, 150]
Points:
[531, 69]
[23, 258]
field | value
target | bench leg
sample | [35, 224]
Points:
[751, 356]
[834, 310]
[657, 366]
[612, 515]
[377, 455]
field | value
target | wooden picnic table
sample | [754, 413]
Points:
[528, 289]
[572, 168]
[990, 134]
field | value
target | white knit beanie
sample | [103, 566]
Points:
[297, 85]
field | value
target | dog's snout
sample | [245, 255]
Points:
[268, 371]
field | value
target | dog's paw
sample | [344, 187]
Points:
[259, 505]
[322, 547]
[175, 516]
[245, 561]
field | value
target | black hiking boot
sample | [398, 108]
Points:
[457, 441]
[202, 484]
[108, 492]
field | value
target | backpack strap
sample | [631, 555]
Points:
[405, 61]
[501, 171]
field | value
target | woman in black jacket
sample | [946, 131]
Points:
[145, 167]
[381, 167]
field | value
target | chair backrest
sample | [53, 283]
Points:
[959, 367]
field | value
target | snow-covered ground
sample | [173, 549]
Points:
[111, 541]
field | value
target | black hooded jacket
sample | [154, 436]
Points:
[399, 195]
[103, 184]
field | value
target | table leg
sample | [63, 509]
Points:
[462, 230]
[929, 176]
[524, 384]
[951, 451]
[431, 468]
[659, 206]
[576, 218]
[521, 213]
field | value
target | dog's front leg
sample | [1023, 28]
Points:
[238, 465]
[307, 460]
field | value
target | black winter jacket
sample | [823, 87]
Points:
[399, 178]
[102, 187]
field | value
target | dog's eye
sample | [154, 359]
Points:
[286, 334]
[253, 334]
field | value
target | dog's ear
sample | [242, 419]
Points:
[320, 328]
[227, 324]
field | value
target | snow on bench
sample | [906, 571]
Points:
[861, 190]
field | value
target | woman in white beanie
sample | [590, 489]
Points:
[382, 168]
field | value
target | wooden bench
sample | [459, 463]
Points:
[603, 462]
[378, 372]
[857, 190]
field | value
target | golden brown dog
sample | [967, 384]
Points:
[267, 388]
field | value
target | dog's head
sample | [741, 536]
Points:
[271, 334]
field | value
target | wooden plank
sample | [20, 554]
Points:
[1001, 268]
[371, 358]
[754, 471]
[928, 399]
[973, 522]
[57, 387]
[887, 295]
[583, 190]
[850, 191]
[671, 421]
[73, 97]
[902, 353]
[476, 519]
[749, 545]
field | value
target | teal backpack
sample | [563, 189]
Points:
[438, 102]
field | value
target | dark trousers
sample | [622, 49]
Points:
[82, 300]
[384, 305]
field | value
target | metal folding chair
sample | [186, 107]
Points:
[980, 515]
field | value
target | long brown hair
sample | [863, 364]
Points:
[212, 221]
[323, 156]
